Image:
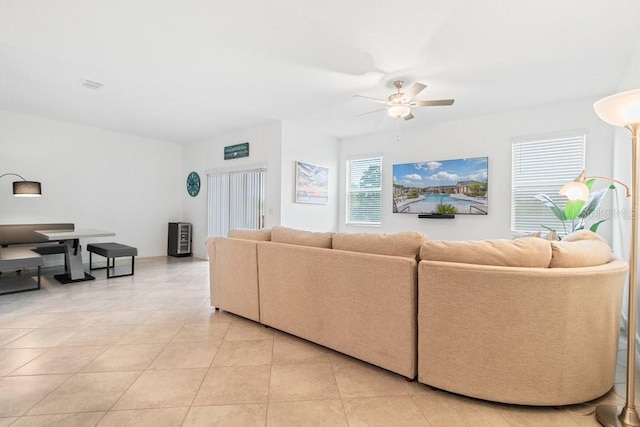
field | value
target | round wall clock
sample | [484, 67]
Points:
[193, 184]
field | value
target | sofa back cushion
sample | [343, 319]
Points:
[525, 252]
[405, 244]
[263, 235]
[580, 249]
[584, 235]
[301, 237]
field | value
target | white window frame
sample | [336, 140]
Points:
[542, 165]
[372, 160]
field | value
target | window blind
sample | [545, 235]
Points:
[364, 191]
[236, 200]
[542, 166]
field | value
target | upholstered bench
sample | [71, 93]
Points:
[111, 251]
[20, 257]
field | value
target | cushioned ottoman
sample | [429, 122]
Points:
[111, 251]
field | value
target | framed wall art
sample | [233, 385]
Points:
[312, 183]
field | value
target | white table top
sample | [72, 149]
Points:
[74, 234]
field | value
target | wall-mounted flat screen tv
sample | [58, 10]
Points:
[442, 187]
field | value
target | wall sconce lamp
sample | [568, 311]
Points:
[623, 109]
[25, 188]
[578, 190]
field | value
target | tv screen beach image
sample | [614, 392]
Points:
[442, 187]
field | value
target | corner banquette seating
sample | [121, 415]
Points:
[21, 247]
[525, 321]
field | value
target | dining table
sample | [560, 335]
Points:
[74, 271]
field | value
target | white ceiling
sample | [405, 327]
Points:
[183, 70]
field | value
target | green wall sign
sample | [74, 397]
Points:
[236, 151]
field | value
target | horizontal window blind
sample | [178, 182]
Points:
[236, 200]
[364, 191]
[542, 166]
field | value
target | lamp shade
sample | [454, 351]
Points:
[621, 109]
[575, 191]
[27, 189]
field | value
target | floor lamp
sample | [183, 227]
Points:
[25, 188]
[623, 109]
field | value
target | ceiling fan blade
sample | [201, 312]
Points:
[369, 112]
[413, 91]
[435, 103]
[373, 99]
[408, 116]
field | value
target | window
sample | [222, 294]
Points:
[364, 188]
[236, 200]
[538, 166]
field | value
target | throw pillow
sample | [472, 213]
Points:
[584, 235]
[579, 253]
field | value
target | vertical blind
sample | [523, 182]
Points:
[364, 191]
[236, 200]
[542, 166]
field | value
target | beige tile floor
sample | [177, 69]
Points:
[148, 350]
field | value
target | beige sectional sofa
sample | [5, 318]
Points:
[361, 304]
[524, 321]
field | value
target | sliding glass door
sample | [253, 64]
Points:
[236, 200]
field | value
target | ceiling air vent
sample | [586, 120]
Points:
[92, 84]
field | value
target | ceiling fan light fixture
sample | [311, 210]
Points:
[398, 105]
[399, 111]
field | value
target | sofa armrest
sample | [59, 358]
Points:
[535, 336]
[233, 276]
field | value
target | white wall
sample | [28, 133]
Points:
[301, 144]
[208, 154]
[489, 136]
[620, 140]
[93, 178]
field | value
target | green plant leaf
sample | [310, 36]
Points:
[589, 183]
[572, 209]
[557, 211]
[595, 226]
[577, 225]
[593, 202]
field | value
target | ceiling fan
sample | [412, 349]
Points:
[399, 104]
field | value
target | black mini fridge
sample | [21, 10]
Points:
[179, 243]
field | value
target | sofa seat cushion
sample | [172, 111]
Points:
[263, 235]
[525, 252]
[300, 237]
[583, 248]
[405, 244]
